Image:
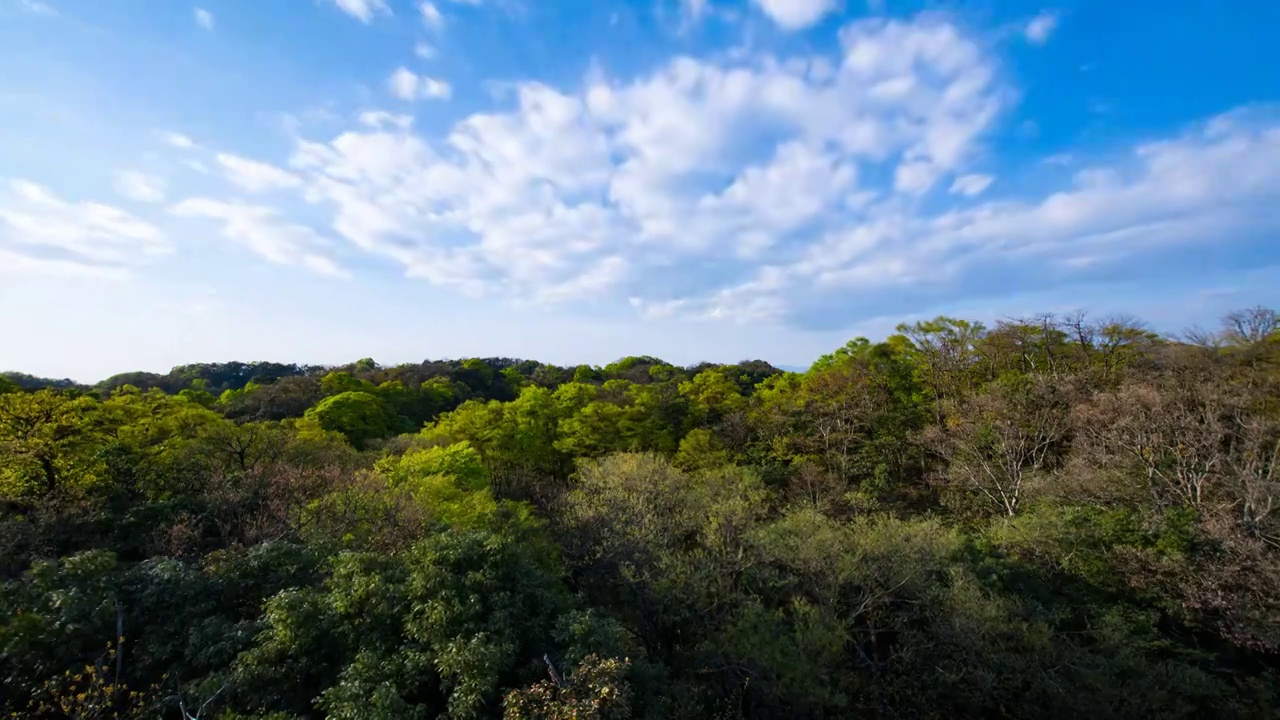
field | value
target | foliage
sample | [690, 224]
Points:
[1051, 516]
[359, 416]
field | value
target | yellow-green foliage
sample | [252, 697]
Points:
[449, 482]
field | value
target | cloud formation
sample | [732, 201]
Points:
[1041, 27]
[431, 16]
[622, 184]
[139, 186]
[204, 18]
[40, 233]
[178, 140]
[792, 189]
[36, 7]
[408, 86]
[254, 176]
[796, 14]
[362, 10]
[971, 185]
[264, 232]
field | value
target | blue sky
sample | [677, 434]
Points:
[323, 180]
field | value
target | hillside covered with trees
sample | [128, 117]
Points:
[1049, 517]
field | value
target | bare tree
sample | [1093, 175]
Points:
[1081, 330]
[1033, 344]
[812, 487]
[1250, 326]
[1171, 433]
[994, 443]
[1254, 472]
[1239, 328]
[1107, 344]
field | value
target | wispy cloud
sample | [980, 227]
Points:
[139, 186]
[37, 7]
[362, 10]
[431, 15]
[1040, 27]
[409, 86]
[41, 232]
[177, 140]
[971, 185]
[204, 18]
[255, 176]
[264, 232]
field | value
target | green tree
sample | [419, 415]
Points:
[8, 386]
[48, 442]
[358, 416]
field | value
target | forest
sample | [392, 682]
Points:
[1051, 516]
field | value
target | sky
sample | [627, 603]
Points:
[575, 181]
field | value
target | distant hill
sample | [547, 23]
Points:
[31, 382]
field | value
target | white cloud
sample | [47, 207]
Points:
[363, 10]
[1041, 27]
[139, 186]
[407, 85]
[971, 185]
[255, 176]
[424, 51]
[796, 14]
[760, 186]
[42, 233]
[914, 176]
[431, 15]
[380, 119]
[695, 9]
[36, 7]
[261, 230]
[204, 18]
[657, 174]
[1202, 186]
[16, 265]
[178, 140]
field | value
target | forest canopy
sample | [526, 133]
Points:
[1051, 516]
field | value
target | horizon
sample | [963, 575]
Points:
[1166, 334]
[690, 179]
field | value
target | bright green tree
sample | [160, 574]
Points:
[358, 416]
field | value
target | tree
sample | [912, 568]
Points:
[1171, 434]
[359, 416]
[593, 431]
[441, 629]
[1028, 345]
[1108, 345]
[336, 383]
[712, 395]
[47, 441]
[1253, 471]
[947, 350]
[997, 442]
[595, 690]
[1251, 326]
[700, 450]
